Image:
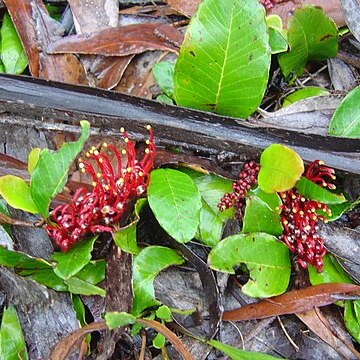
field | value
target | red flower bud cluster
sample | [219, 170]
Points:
[97, 210]
[268, 4]
[247, 178]
[299, 216]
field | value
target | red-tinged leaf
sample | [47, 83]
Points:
[318, 324]
[294, 301]
[36, 30]
[121, 41]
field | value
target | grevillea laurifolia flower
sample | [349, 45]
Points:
[299, 215]
[100, 210]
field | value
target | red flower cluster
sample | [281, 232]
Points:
[299, 216]
[97, 210]
[268, 4]
[247, 178]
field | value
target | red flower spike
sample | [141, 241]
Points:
[246, 179]
[98, 210]
[320, 174]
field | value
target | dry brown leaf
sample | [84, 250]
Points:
[294, 301]
[318, 324]
[122, 41]
[36, 30]
[185, 7]
[351, 10]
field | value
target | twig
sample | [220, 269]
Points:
[292, 342]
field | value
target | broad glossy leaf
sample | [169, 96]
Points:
[280, 168]
[277, 35]
[50, 174]
[79, 308]
[262, 213]
[70, 263]
[16, 193]
[313, 191]
[332, 273]
[33, 159]
[164, 76]
[175, 202]
[224, 60]
[266, 258]
[312, 35]
[337, 210]
[352, 319]
[159, 341]
[346, 119]
[309, 91]
[147, 265]
[93, 272]
[12, 52]
[118, 319]
[81, 287]
[12, 343]
[125, 237]
[237, 354]
[212, 188]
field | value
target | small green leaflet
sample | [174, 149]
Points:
[352, 319]
[164, 76]
[81, 287]
[13, 55]
[12, 343]
[50, 173]
[280, 168]
[146, 266]
[277, 35]
[175, 202]
[224, 61]
[312, 35]
[159, 341]
[118, 319]
[236, 354]
[309, 91]
[346, 119]
[266, 258]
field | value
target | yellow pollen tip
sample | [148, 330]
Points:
[313, 210]
[96, 153]
[105, 144]
[83, 171]
[80, 160]
[326, 221]
[147, 151]
[129, 169]
[294, 210]
[121, 180]
[101, 160]
[301, 212]
[81, 165]
[293, 197]
[285, 222]
[147, 142]
[314, 218]
[324, 184]
[93, 183]
[122, 130]
[126, 140]
[91, 152]
[98, 175]
[141, 173]
[93, 148]
[107, 187]
[148, 127]
[123, 151]
[321, 162]
[87, 154]
[302, 199]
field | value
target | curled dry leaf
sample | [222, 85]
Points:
[294, 301]
[185, 7]
[351, 9]
[122, 41]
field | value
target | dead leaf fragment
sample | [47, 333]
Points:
[351, 9]
[121, 41]
[185, 7]
[294, 301]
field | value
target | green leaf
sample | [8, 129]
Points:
[93, 272]
[236, 354]
[70, 263]
[277, 35]
[33, 159]
[159, 341]
[79, 309]
[50, 174]
[266, 258]
[164, 76]
[4, 210]
[313, 191]
[175, 202]
[164, 313]
[337, 210]
[280, 168]
[147, 265]
[212, 188]
[211, 226]
[118, 319]
[346, 119]
[224, 60]
[16, 193]
[164, 99]
[81, 287]
[309, 91]
[262, 213]
[352, 319]
[125, 237]
[332, 273]
[12, 343]
[12, 53]
[38, 270]
[311, 36]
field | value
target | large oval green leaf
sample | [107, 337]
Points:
[175, 202]
[346, 119]
[147, 266]
[224, 61]
[266, 258]
[312, 35]
[280, 168]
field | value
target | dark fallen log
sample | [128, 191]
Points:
[47, 105]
